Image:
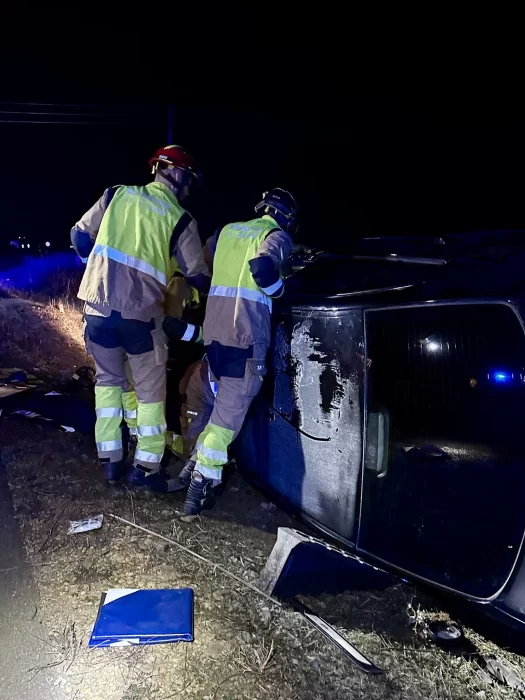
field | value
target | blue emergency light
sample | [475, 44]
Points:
[501, 377]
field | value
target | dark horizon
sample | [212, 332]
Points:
[396, 172]
[433, 150]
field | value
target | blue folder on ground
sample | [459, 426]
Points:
[128, 616]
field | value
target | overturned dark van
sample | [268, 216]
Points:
[392, 419]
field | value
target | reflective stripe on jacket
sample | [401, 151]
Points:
[238, 310]
[131, 261]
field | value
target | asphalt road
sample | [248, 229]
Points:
[22, 637]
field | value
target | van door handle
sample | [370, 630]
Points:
[378, 428]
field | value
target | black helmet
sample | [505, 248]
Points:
[282, 207]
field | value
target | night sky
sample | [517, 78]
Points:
[362, 156]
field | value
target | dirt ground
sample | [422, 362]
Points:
[245, 647]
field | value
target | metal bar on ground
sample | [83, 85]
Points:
[198, 556]
[342, 643]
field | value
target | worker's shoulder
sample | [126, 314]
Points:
[158, 198]
[108, 194]
[256, 223]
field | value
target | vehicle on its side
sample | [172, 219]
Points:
[392, 419]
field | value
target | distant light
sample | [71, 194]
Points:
[501, 377]
[432, 344]
[48, 244]
[393, 255]
[23, 246]
[28, 245]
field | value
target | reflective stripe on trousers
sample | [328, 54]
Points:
[151, 430]
[129, 403]
[174, 442]
[147, 430]
[148, 458]
[108, 435]
[212, 453]
[109, 445]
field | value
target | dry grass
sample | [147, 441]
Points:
[44, 338]
[244, 648]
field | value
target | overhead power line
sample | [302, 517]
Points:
[55, 114]
[14, 103]
[42, 121]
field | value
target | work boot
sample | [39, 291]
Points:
[113, 472]
[160, 481]
[200, 495]
[186, 472]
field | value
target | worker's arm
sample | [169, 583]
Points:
[84, 232]
[266, 266]
[186, 247]
[209, 249]
[177, 329]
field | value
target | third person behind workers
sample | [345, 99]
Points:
[247, 275]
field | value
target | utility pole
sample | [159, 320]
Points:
[170, 124]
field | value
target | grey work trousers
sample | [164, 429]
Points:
[233, 399]
[133, 387]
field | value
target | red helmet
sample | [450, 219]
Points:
[175, 156]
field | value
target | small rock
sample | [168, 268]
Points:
[127, 530]
[161, 546]
[119, 558]
[144, 544]
[265, 615]
[167, 513]
[215, 649]
[265, 505]
[89, 561]
[146, 667]
[188, 518]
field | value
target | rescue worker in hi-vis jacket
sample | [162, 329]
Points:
[134, 239]
[247, 267]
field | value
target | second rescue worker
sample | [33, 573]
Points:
[246, 276]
